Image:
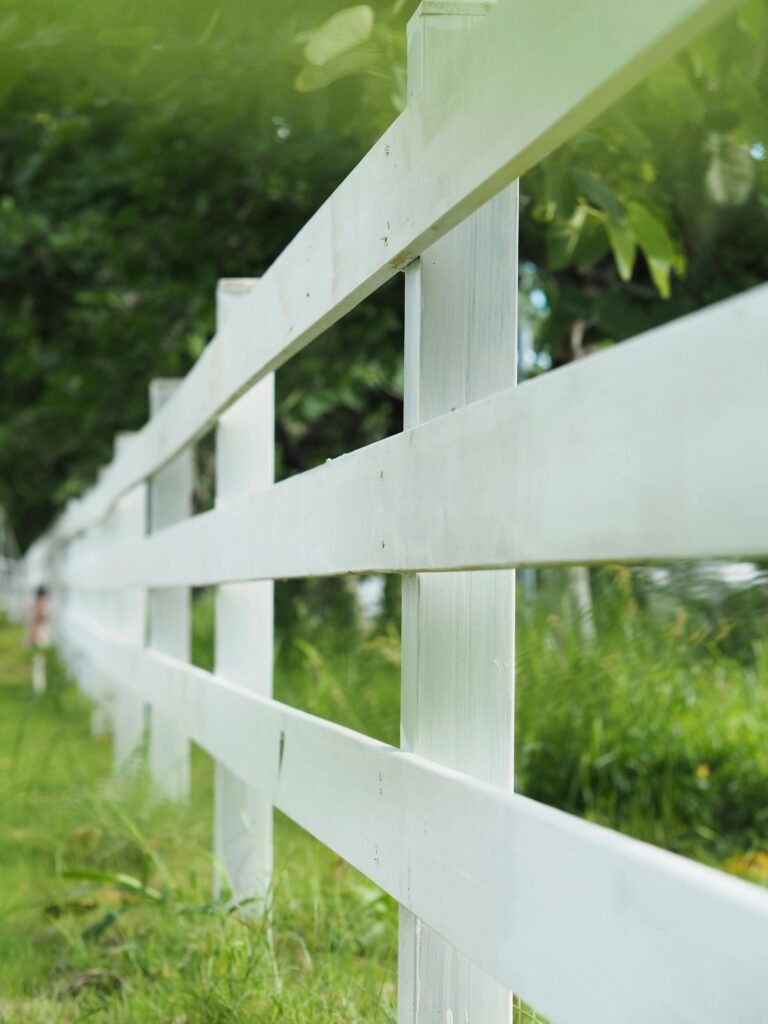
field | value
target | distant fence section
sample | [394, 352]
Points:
[654, 450]
[12, 577]
[13, 590]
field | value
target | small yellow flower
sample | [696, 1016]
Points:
[703, 771]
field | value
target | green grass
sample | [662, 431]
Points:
[656, 728]
[146, 943]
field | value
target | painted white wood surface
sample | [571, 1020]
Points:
[100, 687]
[457, 703]
[589, 926]
[131, 624]
[245, 463]
[486, 485]
[169, 611]
[459, 142]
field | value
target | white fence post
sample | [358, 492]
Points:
[63, 598]
[99, 606]
[458, 628]
[244, 623]
[131, 621]
[170, 500]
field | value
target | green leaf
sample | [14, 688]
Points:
[623, 246]
[660, 270]
[562, 239]
[558, 195]
[650, 232]
[592, 245]
[658, 247]
[116, 879]
[353, 62]
[341, 32]
[563, 192]
[597, 193]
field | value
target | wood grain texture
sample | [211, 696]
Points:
[457, 703]
[459, 142]
[589, 926]
[242, 824]
[486, 486]
[169, 611]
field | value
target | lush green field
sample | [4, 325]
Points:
[657, 727]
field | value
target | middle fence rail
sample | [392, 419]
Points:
[498, 892]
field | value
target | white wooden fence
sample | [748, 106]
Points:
[657, 450]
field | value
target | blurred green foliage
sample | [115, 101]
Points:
[231, 65]
[661, 206]
[145, 151]
[148, 149]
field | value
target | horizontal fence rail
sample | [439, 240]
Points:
[656, 450]
[682, 476]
